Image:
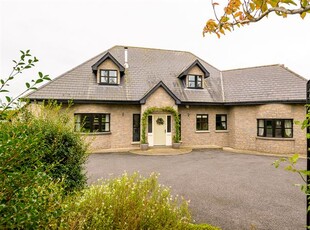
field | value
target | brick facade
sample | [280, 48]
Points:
[241, 122]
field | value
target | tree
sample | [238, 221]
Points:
[26, 61]
[238, 13]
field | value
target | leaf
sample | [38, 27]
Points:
[47, 78]
[8, 99]
[294, 158]
[27, 85]
[215, 4]
[39, 81]
[303, 15]
[40, 74]
[4, 91]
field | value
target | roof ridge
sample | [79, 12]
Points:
[148, 48]
[253, 67]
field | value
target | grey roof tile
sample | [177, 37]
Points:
[147, 67]
[263, 83]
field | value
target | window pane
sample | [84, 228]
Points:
[278, 124]
[191, 78]
[96, 123]
[199, 85]
[168, 124]
[278, 133]
[149, 125]
[191, 84]
[136, 127]
[261, 132]
[260, 123]
[105, 127]
[77, 122]
[112, 73]
[104, 73]
[204, 126]
[86, 119]
[288, 133]
[113, 80]
[202, 122]
[269, 132]
[288, 123]
[104, 79]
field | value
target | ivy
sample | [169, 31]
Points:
[169, 109]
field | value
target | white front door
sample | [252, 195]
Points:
[160, 123]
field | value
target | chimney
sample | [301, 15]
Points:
[126, 57]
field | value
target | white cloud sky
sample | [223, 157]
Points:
[63, 34]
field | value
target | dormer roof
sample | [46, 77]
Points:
[108, 55]
[195, 63]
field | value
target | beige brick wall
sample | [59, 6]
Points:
[159, 98]
[211, 137]
[241, 121]
[120, 126]
[243, 133]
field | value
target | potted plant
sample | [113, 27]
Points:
[176, 142]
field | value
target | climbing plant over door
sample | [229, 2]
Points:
[169, 109]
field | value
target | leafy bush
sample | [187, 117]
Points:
[41, 161]
[128, 202]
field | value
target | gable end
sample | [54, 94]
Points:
[160, 84]
[195, 63]
[105, 57]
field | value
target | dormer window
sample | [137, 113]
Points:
[108, 77]
[195, 81]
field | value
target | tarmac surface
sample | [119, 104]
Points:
[225, 189]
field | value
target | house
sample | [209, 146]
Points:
[250, 109]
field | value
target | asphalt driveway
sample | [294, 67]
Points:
[229, 190]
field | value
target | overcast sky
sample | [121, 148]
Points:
[63, 34]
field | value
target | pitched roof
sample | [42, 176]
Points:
[263, 84]
[148, 67]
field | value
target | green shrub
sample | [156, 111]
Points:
[29, 198]
[128, 202]
[41, 161]
[63, 148]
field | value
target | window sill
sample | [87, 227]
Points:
[275, 138]
[202, 131]
[108, 84]
[135, 143]
[222, 131]
[192, 88]
[93, 134]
